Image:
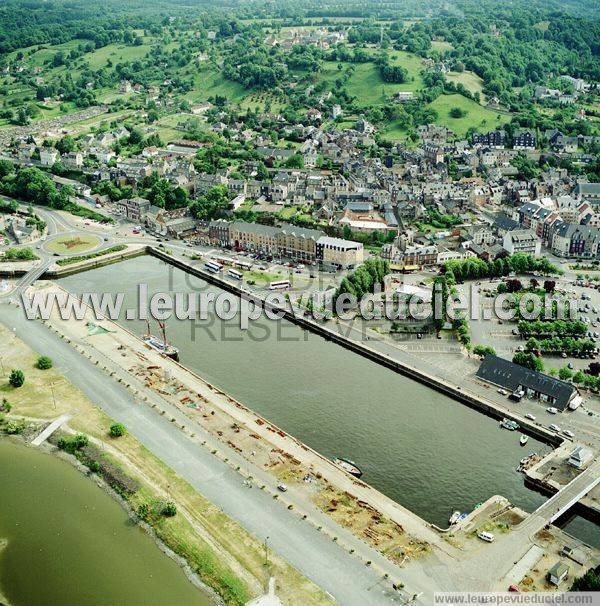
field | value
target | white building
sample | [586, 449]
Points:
[48, 156]
[522, 241]
[580, 457]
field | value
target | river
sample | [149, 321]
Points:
[68, 542]
[419, 447]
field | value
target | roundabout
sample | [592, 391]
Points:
[73, 244]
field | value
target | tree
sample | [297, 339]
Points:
[565, 373]
[457, 112]
[66, 144]
[210, 204]
[16, 378]
[528, 360]
[514, 285]
[295, 161]
[169, 510]
[484, 350]
[136, 136]
[117, 430]
[594, 369]
[44, 363]
[6, 168]
[549, 285]
[590, 581]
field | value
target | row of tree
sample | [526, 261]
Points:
[365, 278]
[560, 328]
[474, 268]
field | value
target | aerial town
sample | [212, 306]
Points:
[303, 301]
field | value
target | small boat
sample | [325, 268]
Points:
[463, 516]
[348, 466]
[510, 425]
[523, 440]
[454, 517]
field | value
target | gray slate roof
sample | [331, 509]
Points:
[510, 376]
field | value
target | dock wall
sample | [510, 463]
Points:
[487, 407]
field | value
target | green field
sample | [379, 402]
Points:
[117, 53]
[366, 83]
[441, 45]
[471, 81]
[477, 116]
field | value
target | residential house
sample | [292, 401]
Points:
[48, 156]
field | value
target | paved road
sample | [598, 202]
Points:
[323, 561]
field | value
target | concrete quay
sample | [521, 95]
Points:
[553, 473]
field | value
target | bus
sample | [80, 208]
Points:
[280, 285]
[235, 274]
[242, 264]
[213, 266]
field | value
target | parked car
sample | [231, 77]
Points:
[552, 410]
[554, 427]
[486, 536]
[568, 433]
[282, 487]
[530, 416]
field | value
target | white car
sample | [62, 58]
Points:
[282, 487]
[554, 427]
[530, 416]
[568, 433]
[552, 410]
[502, 392]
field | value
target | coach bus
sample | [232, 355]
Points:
[235, 274]
[280, 285]
[213, 267]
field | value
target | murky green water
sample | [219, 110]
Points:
[71, 543]
[421, 448]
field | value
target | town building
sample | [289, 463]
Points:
[134, 209]
[522, 241]
[48, 156]
[514, 378]
[340, 253]
[580, 457]
[558, 573]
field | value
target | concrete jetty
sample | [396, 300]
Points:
[44, 435]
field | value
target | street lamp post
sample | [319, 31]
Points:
[266, 552]
[53, 396]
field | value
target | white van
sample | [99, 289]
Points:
[486, 536]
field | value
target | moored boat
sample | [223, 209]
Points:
[161, 345]
[523, 440]
[348, 466]
[509, 424]
[454, 517]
